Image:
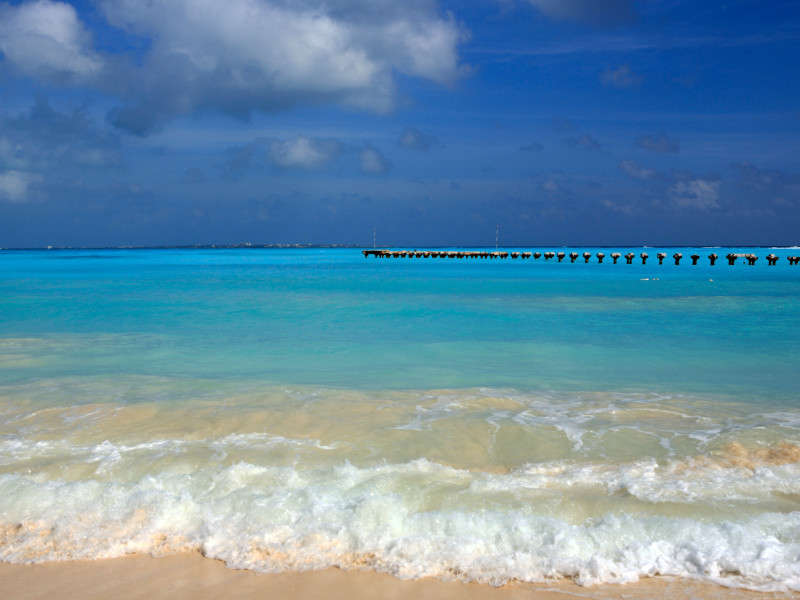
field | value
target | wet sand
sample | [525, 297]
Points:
[192, 577]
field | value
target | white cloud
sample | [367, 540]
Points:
[550, 186]
[415, 139]
[372, 161]
[14, 185]
[637, 171]
[701, 194]
[244, 55]
[46, 39]
[303, 152]
[621, 78]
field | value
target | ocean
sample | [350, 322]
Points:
[477, 420]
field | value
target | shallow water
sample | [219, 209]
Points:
[479, 420]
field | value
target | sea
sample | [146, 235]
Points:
[483, 420]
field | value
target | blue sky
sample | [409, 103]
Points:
[563, 122]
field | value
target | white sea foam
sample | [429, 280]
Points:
[480, 484]
[423, 519]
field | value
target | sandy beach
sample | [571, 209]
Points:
[190, 576]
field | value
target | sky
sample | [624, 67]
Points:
[399, 122]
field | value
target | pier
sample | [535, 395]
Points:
[749, 258]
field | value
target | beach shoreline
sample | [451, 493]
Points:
[191, 576]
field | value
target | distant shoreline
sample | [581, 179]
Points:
[243, 246]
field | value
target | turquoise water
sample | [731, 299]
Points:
[332, 317]
[485, 420]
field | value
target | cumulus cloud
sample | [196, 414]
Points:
[622, 77]
[637, 171]
[605, 13]
[14, 185]
[775, 186]
[584, 142]
[304, 152]
[698, 194]
[658, 143]
[415, 139]
[267, 55]
[373, 162]
[46, 40]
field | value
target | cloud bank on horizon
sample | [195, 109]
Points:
[139, 122]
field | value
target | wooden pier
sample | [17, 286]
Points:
[732, 259]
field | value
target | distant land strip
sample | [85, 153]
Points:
[732, 258]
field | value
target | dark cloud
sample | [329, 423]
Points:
[599, 13]
[137, 120]
[674, 192]
[44, 138]
[241, 157]
[658, 143]
[560, 124]
[769, 186]
[583, 142]
[45, 145]
[193, 175]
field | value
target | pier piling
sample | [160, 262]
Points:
[732, 257]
